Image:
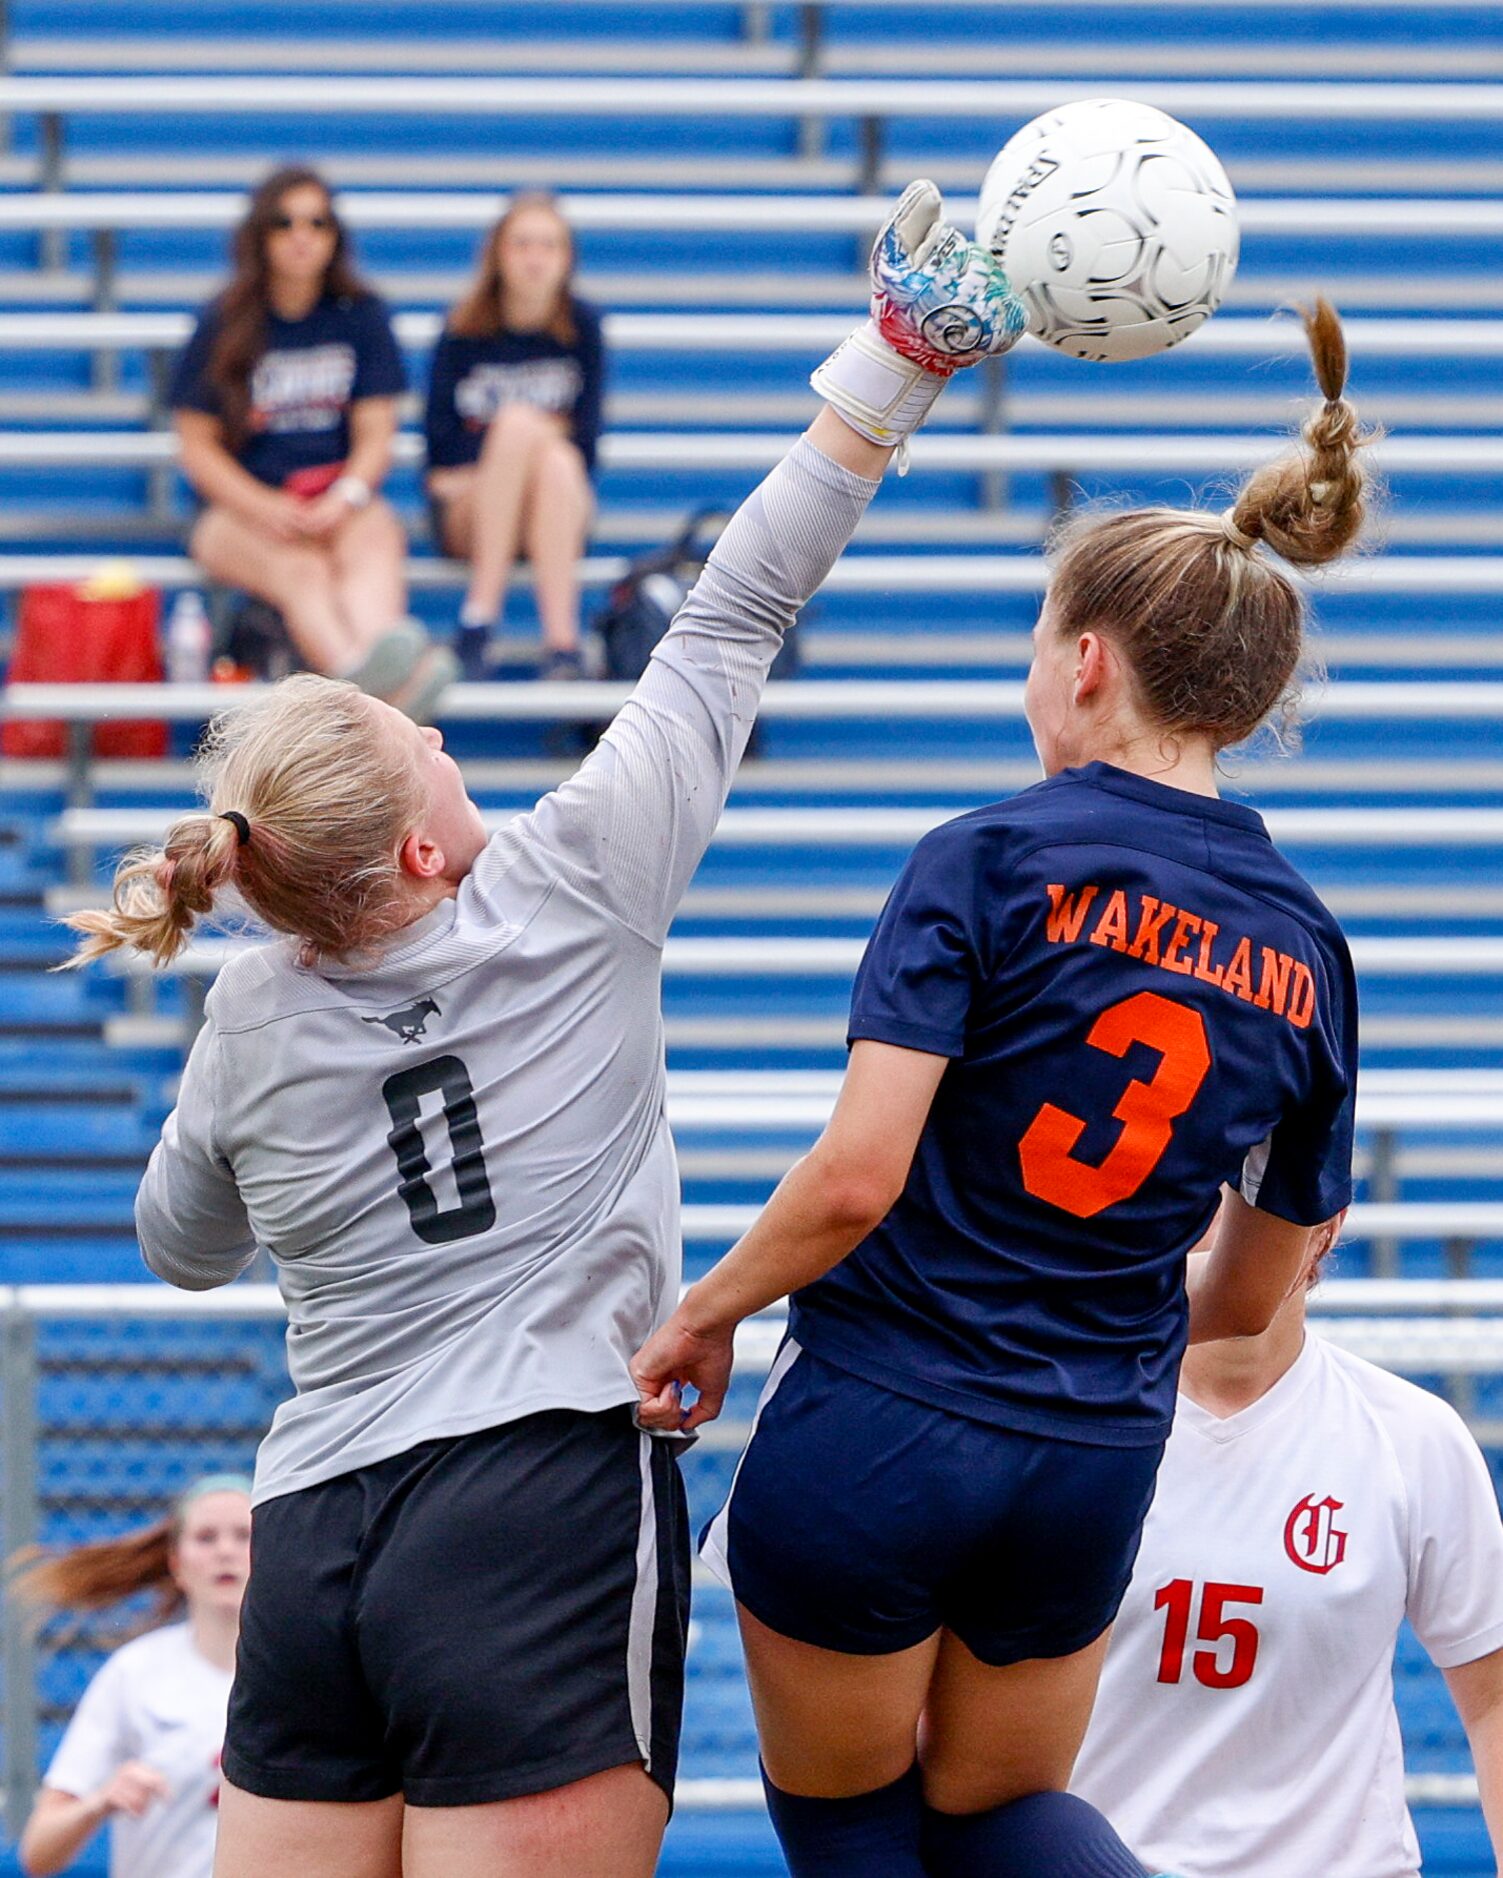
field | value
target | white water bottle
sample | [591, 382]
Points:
[189, 638]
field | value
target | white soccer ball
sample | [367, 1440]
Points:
[1116, 225]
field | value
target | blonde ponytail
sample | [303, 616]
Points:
[310, 796]
[160, 893]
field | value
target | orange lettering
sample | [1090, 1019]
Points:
[1208, 932]
[1238, 977]
[1301, 997]
[1111, 928]
[1183, 927]
[1066, 915]
[1151, 922]
[1273, 985]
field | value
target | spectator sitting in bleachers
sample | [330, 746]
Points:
[513, 421]
[142, 1749]
[285, 402]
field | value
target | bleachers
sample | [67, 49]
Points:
[721, 225]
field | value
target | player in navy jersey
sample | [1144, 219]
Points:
[512, 424]
[1085, 1012]
[285, 403]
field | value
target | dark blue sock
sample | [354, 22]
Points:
[1046, 1835]
[874, 1835]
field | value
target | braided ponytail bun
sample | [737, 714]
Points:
[1308, 506]
[1211, 627]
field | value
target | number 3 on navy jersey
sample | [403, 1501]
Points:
[404, 1092]
[1147, 1110]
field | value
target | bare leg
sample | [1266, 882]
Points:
[455, 489]
[607, 1826]
[993, 1735]
[297, 578]
[833, 1725]
[367, 553]
[504, 478]
[307, 1839]
[558, 513]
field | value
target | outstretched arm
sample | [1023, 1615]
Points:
[629, 828]
[833, 437]
[824, 1207]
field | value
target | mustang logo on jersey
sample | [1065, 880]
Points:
[1182, 942]
[411, 1022]
[1312, 1538]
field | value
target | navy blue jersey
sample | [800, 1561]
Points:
[303, 384]
[1142, 1000]
[473, 378]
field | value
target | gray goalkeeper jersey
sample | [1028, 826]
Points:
[459, 1159]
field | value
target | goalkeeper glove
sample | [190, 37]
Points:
[939, 302]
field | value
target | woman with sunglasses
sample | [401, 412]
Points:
[285, 404]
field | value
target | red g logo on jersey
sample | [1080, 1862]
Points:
[1311, 1536]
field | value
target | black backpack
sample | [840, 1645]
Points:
[640, 607]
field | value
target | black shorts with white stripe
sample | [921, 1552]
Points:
[485, 1616]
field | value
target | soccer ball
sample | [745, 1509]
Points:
[1116, 225]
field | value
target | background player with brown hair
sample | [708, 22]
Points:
[142, 1750]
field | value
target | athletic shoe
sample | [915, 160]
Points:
[435, 670]
[471, 644]
[389, 663]
[560, 665]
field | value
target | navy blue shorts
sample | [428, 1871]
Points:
[485, 1616]
[863, 1521]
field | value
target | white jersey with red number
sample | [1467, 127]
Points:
[1245, 1724]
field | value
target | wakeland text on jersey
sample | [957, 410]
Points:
[1176, 940]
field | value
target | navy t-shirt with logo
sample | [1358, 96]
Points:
[303, 384]
[472, 378]
[1141, 1000]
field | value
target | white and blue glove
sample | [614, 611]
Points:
[939, 302]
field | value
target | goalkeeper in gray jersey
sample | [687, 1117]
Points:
[437, 1101]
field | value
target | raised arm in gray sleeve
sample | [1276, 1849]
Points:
[630, 826]
[189, 1216]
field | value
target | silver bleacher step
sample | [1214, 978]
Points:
[1002, 56]
[504, 169]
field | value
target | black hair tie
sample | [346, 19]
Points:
[238, 822]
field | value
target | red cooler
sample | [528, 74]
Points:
[64, 636]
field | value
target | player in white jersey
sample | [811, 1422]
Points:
[1308, 1502]
[142, 1750]
[439, 1107]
